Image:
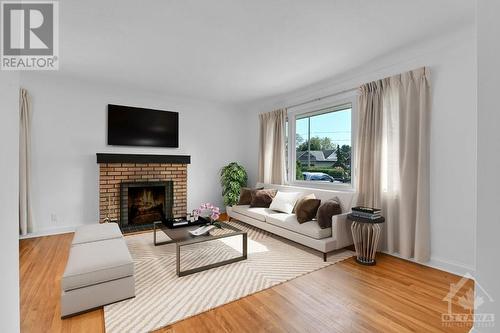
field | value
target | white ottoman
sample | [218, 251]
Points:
[96, 232]
[97, 273]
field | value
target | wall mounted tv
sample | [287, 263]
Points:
[131, 126]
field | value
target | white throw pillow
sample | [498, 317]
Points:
[284, 201]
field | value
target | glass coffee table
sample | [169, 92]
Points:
[181, 237]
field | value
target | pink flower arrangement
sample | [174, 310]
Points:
[208, 210]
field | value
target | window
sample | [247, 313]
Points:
[323, 145]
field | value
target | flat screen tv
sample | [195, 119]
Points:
[131, 126]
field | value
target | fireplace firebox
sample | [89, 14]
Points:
[145, 202]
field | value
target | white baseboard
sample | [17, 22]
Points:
[49, 232]
[456, 268]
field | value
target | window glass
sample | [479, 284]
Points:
[323, 146]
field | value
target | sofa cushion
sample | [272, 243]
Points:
[246, 195]
[258, 213]
[325, 212]
[301, 198]
[97, 262]
[289, 222]
[346, 198]
[262, 198]
[306, 209]
[284, 201]
[96, 232]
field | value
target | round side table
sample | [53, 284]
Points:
[366, 234]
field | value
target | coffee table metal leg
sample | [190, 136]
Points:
[245, 245]
[154, 234]
[178, 258]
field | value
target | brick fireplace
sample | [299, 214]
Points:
[117, 170]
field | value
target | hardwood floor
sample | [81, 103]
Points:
[394, 296]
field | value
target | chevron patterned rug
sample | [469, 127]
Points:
[162, 298]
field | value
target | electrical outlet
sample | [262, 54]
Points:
[53, 218]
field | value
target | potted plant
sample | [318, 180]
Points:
[232, 178]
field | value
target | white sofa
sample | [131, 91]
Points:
[309, 233]
[99, 270]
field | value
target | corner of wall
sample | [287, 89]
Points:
[9, 246]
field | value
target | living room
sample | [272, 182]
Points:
[339, 157]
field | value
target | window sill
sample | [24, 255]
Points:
[323, 186]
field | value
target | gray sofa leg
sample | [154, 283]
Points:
[324, 256]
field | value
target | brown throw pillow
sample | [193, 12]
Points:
[246, 195]
[326, 211]
[305, 197]
[262, 198]
[306, 209]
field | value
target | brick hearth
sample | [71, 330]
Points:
[112, 174]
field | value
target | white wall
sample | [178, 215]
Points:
[452, 61]
[69, 128]
[488, 162]
[9, 169]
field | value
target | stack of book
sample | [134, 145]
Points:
[366, 212]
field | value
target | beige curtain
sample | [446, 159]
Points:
[25, 217]
[272, 162]
[393, 158]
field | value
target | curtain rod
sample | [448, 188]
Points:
[321, 98]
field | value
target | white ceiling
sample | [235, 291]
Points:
[236, 51]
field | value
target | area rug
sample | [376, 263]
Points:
[162, 298]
